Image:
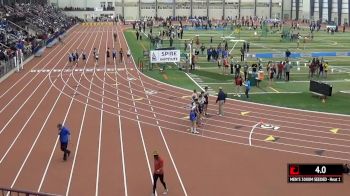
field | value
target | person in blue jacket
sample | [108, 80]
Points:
[64, 139]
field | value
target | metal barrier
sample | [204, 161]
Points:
[6, 66]
[10, 192]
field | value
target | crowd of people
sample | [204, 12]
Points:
[24, 26]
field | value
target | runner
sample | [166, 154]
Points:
[128, 54]
[70, 58]
[158, 173]
[76, 56]
[83, 56]
[114, 54]
[96, 58]
[73, 58]
[206, 101]
[121, 55]
[193, 119]
[107, 55]
[115, 37]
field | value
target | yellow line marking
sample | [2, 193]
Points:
[186, 117]
[270, 138]
[244, 113]
[334, 130]
[186, 96]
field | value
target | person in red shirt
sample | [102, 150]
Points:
[158, 173]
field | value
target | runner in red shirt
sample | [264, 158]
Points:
[158, 173]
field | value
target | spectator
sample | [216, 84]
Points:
[221, 99]
[288, 67]
[245, 70]
[247, 88]
[238, 83]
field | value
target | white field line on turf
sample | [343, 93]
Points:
[266, 111]
[82, 123]
[214, 120]
[267, 114]
[33, 92]
[251, 133]
[237, 130]
[65, 118]
[160, 129]
[44, 58]
[137, 117]
[80, 131]
[101, 126]
[120, 126]
[311, 130]
[194, 82]
[307, 119]
[231, 135]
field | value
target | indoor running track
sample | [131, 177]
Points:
[118, 117]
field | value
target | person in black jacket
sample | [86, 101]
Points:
[221, 99]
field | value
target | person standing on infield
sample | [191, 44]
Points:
[64, 139]
[158, 173]
[221, 99]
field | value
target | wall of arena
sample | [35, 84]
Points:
[334, 10]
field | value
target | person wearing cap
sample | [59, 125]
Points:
[64, 139]
[221, 99]
[158, 173]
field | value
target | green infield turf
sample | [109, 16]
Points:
[294, 94]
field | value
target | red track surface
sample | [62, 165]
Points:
[116, 126]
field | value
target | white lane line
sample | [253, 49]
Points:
[137, 117]
[47, 56]
[25, 124]
[244, 120]
[230, 135]
[64, 120]
[310, 130]
[159, 128]
[37, 137]
[162, 97]
[81, 129]
[251, 133]
[101, 124]
[33, 92]
[34, 77]
[120, 128]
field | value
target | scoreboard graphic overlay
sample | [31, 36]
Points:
[315, 173]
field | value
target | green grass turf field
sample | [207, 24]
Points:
[294, 93]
